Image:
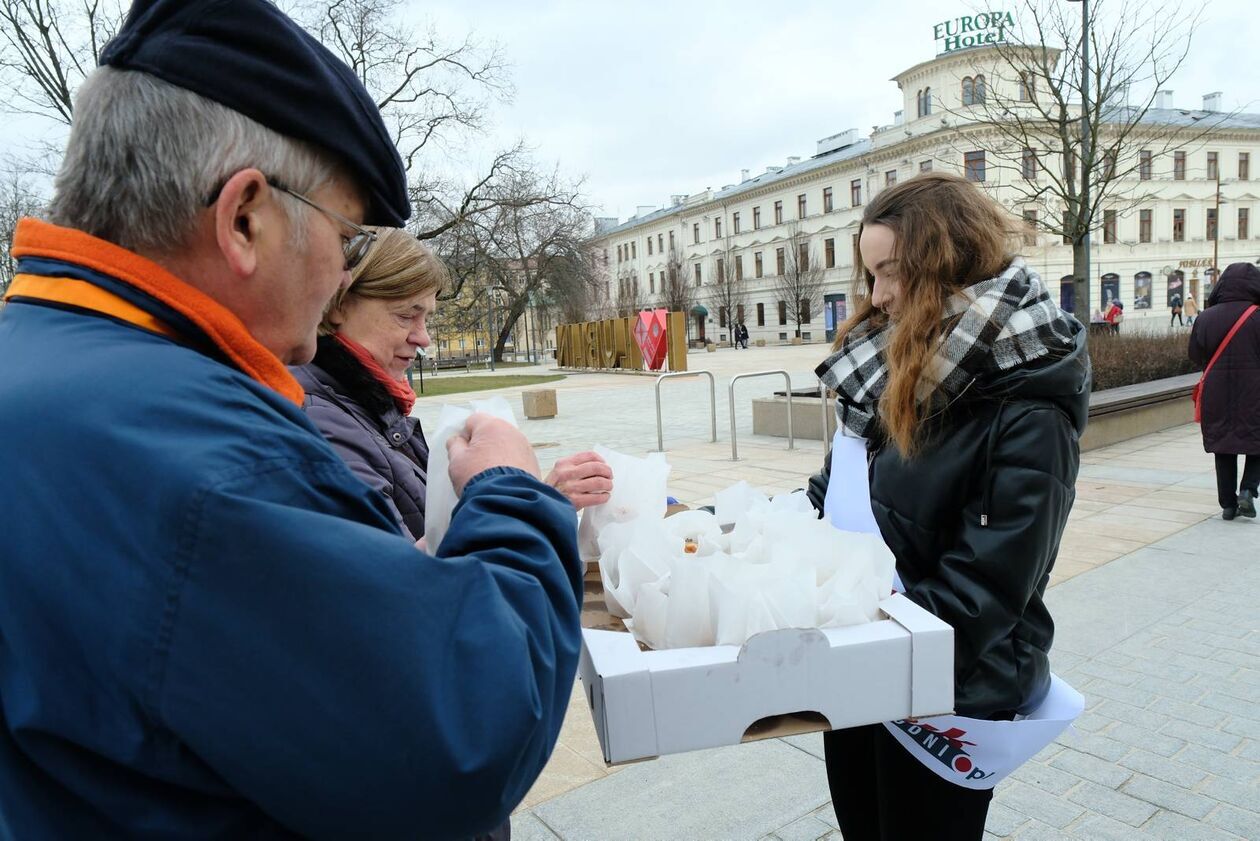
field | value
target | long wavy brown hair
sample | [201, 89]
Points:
[949, 235]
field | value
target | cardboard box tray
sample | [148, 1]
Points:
[652, 703]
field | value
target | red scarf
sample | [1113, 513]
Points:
[404, 397]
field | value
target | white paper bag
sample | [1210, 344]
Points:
[639, 490]
[440, 497]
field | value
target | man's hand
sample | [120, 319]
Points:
[487, 442]
[585, 478]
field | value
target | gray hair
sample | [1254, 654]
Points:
[144, 157]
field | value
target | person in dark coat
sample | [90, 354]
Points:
[1230, 400]
[356, 389]
[971, 387]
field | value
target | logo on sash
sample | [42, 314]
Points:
[945, 746]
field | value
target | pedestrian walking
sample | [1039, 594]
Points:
[743, 335]
[1191, 310]
[1225, 340]
[1114, 315]
[971, 453]
[208, 625]
[1175, 305]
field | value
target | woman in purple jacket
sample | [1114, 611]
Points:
[356, 388]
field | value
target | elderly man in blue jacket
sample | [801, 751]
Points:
[208, 626]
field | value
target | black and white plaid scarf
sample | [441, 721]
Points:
[999, 324]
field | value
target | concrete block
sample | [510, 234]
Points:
[539, 403]
[770, 417]
[759, 342]
[1133, 423]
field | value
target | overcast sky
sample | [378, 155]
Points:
[650, 98]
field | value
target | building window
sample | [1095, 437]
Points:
[1109, 226]
[717, 228]
[1109, 164]
[660, 242]
[1211, 224]
[927, 101]
[973, 165]
[698, 279]
[804, 311]
[619, 254]
[779, 265]
[925, 166]
[721, 316]
[739, 313]
[634, 250]
[855, 192]
[800, 206]
[1244, 166]
[829, 253]
[1144, 164]
[1030, 227]
[890, 178]
[1244, 217]
[739, 268]
[918, 103]
[649, 242]
[802, 257]
[652, 283]
[1179, 166]
[671, 240]
[735, 221]
[761, 315]
[1027, 87]
[968, 91]
[1144, 226]
[978, 93]
[758, 265]
[1213, 166]
[827, 206]
[1028, 163]
[695, 233]
[782, 313]
[778, 213]
[1179, 225]
[721, 270]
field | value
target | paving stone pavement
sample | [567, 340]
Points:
[1165, 645]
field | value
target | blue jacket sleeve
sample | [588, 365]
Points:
[351, 685]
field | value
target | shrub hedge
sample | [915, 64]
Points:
[1129, 358]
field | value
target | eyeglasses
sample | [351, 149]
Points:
[354, 247]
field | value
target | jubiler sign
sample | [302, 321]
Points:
[974, 30]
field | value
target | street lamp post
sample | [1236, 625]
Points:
[1086, 157]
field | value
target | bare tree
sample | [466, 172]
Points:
[802, 280]
[677, 293]
[49, 46]
[1033, 109]
[729, 290]
[517, 248]
[17, 199]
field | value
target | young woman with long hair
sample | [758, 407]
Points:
[971, 388]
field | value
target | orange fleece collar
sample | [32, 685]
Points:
[34, 238]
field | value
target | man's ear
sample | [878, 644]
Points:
[239, 220]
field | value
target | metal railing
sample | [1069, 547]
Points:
[787, 379]
[826, 418]
[660, 437]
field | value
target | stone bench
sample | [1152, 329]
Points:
[1116, 414]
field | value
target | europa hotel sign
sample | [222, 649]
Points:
[974, 30]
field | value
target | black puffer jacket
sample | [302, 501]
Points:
[377, 442]
[1231, 392]
[975, 520]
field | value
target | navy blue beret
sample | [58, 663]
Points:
[250, 57]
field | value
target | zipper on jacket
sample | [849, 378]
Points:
[986, 496]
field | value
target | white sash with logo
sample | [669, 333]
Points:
[970, 752]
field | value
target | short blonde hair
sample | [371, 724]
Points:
[397, 266]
